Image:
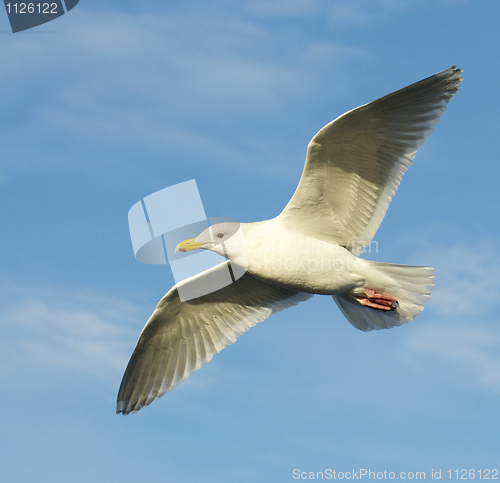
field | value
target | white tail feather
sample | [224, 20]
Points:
[415, 285]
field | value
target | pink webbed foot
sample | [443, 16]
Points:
[377, 300]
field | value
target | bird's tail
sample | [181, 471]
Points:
[413, 287]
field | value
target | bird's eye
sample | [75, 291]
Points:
[220, 235]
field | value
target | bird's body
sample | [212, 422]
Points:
[353, 168]
[297, 261]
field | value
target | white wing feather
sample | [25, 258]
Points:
[355, 163]
[180, 336]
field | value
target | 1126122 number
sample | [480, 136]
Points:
[32, 8]
[473, 474]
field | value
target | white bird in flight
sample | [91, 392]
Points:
[353, 168]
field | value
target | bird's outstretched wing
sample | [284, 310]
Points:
[182, 336]
[355, 163]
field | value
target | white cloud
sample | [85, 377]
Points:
[138, 84]
[467, 279]
[288, 8]
[364, 12]
[355, 13]
[459, 340]
[456, 2]
[64, 332]
[466, 353]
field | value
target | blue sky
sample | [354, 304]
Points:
[117, 100]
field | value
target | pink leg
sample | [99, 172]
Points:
[377, 300]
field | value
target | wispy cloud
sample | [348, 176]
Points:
[285, 8]
[467, 279]
[65, 332]
[456, 2]
[356, 13]
[177, 80]
[361, 13]
[466, 353]
[460, 338]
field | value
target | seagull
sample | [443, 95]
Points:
[353, 168]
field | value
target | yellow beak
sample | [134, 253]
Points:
[187, 245]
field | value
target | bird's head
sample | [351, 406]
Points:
[218, 238]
